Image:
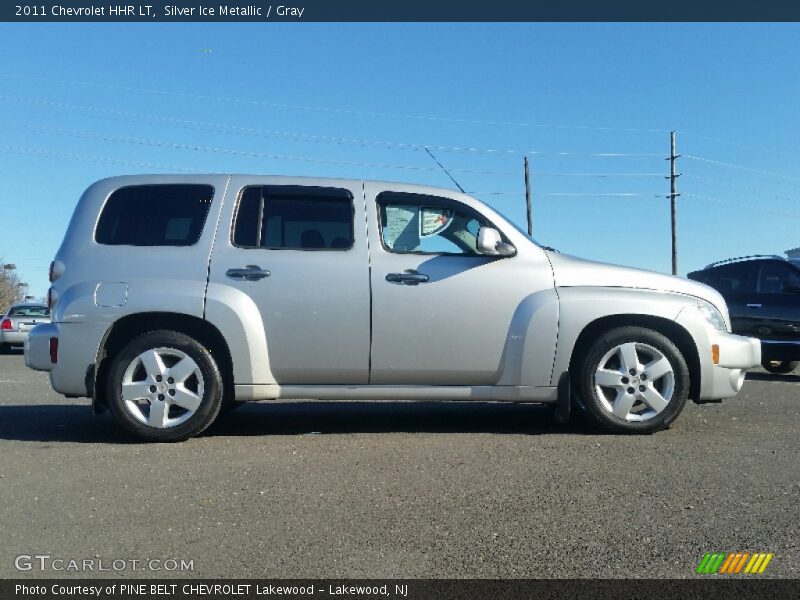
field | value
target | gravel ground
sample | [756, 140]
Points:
[387, 490]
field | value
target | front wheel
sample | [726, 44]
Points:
[632, 380]
[780, 367]
[164, 387]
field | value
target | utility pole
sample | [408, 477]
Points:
[528, 196]
[673, 196]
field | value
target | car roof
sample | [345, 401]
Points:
[752, 257]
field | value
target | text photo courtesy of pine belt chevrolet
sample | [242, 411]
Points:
[175, 297]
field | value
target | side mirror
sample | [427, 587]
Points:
[490, 243]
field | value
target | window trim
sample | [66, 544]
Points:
[447, 203]
[240, 194]
[141, 185]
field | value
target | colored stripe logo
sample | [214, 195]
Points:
[724, 563]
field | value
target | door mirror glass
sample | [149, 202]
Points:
[491, 244]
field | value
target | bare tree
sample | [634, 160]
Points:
[10, 289]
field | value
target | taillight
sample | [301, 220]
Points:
[56, 270]
[54, 350]
[5, 325]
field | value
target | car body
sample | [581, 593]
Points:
[19, 320]
[763, 297]
[207, 290]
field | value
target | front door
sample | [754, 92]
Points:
[442, 312]
[299, 254]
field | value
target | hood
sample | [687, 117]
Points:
[571, 271]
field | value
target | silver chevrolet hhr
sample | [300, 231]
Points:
[174, 297]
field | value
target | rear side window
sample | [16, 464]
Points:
[154, 215]
[293, 217]
[733, 278]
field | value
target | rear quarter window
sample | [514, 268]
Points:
[154, 215]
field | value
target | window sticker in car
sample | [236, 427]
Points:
[433, 220]
[401, 231]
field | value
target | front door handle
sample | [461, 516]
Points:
[249, 273]
[754, 305]
[407, 277]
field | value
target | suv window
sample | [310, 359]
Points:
[293, 217]
[737, 277]
[154, 215]
[775, 277]
[416, 223]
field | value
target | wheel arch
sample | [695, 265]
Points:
[134, 325]
[670, 329]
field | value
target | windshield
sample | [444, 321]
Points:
[518, 228]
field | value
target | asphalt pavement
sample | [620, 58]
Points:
[389, 490]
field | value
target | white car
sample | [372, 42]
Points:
[175, 295]
[18, 321]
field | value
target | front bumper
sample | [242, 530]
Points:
[780, 349]
[736, 354]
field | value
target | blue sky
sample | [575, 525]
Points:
[79, 102]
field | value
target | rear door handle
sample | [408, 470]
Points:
[754, 305]
[407, 277]
[248, 273]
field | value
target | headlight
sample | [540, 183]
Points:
[712, 316]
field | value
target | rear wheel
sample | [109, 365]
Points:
[780, 367]
[632, 380]
[164, 387]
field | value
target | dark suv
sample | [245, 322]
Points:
[763, 296]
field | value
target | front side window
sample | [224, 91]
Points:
[154, 215]
[775, 278]
[291, 217]
[417, 223]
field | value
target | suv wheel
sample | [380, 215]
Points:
[780, 367]
[632, 380]
[164, 387]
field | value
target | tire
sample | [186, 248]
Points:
[780, 367]
[621, 402]
[5, 348]
[169, 409]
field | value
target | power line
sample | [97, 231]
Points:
[751, 190]
[738, 144]
[740, 167]
[235, 152]
[128, 116]
[28, 151]
[742, 205]
[327, 109]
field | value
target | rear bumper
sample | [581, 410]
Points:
[16, 338]
[780, 349]
[77, 353]
[37, 347]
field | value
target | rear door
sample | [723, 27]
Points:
[299, 252]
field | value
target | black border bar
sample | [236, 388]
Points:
[708, 587]
[403, 11]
